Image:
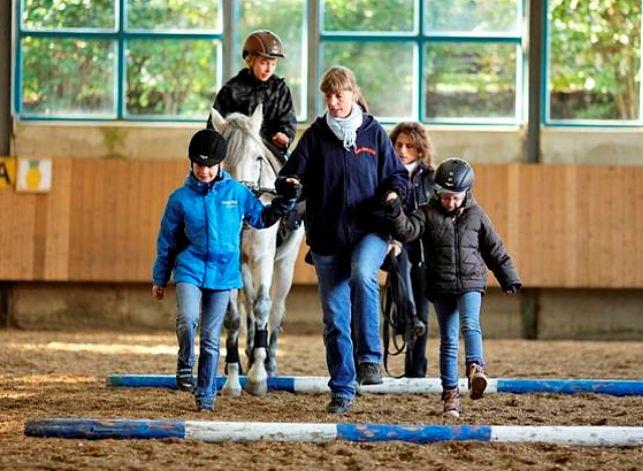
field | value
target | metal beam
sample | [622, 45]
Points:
[537, 18]
[5, 80]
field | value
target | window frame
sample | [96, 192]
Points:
[545, 91]
[422, 39]
[120, 36]
[314, 36]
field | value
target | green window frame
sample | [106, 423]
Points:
[591, 57]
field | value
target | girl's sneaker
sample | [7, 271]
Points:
[205, 406]
[477, 380]
[451, 403]
[184, 379]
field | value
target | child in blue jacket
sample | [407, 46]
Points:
[199, 241]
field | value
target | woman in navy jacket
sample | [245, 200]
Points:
[346, 163]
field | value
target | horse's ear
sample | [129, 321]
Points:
[217, 121]
[257, 117]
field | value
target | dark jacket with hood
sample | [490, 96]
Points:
[343, 188]
[242, 94]
[459, 247]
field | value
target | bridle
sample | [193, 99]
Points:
[256, 186]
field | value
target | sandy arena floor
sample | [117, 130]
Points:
[51, 374]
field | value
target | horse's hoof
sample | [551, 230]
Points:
[257, 388]
[231, 391]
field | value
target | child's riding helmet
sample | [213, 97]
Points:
[207, 147]
[263, 43]
[454, 175]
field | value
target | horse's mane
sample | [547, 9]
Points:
[239, 129]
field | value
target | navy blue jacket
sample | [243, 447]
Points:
[343, 187]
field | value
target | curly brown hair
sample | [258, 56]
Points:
[420, 139]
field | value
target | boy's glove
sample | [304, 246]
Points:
[288, 187]
[512, 289]
[392, 204]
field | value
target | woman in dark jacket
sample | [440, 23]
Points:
[346, 163]
[415, 149]
[459, 240]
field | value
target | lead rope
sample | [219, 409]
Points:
[399, 316]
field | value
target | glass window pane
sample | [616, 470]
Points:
[384, 72]
[367, 15]
[470, 80]
[173, 14]
[473, 16]
[66, 77]
[45, 14]
[286, 19]
[170, 77]
[595, 59]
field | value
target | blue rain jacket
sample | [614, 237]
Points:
[200, 233]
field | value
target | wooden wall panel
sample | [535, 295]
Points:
[17, 231]
[564, 226]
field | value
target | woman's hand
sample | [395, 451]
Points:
[392, 204]
[288, 187]
[158, 292]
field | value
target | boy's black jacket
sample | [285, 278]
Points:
[243, 92]
[459, 246]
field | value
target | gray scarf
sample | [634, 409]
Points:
[346, 128]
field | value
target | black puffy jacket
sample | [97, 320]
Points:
[419, 192]
[242, 94]
[459, 248]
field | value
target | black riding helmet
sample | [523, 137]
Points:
[454, 175]
[207, 147]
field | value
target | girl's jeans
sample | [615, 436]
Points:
[457, 313]
[349, 294]
[211, 305]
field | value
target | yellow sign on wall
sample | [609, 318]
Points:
[7, 172]
[33, 175]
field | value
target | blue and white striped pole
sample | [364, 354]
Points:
[92, 429]
[319, 384]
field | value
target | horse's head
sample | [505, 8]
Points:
[248, 160]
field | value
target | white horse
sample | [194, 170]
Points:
[267, 269]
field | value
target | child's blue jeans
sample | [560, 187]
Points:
[349, 295]
[457, 313]
[210, 305]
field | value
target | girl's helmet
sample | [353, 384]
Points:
[263, 43]
[454, 175]
[207, 147]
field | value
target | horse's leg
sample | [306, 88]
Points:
[281, 284]
[248, 296]
[232, 324]
[260, 247]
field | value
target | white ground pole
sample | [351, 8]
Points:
[259, 431]
[89, 428]
[319, 384]
[569, 435]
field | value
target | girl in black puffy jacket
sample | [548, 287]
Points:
[460, 242]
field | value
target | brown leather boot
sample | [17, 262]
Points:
[451, 403]
[477, 380]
